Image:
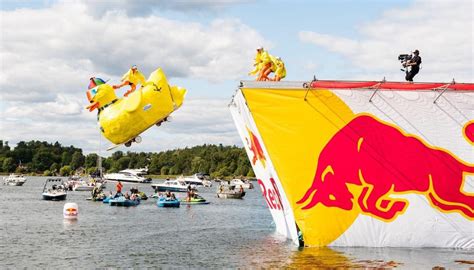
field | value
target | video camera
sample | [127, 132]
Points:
[404, 58]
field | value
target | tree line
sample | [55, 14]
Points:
[54, 159]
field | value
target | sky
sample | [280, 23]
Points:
[49, 50]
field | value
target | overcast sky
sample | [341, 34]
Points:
[49, 50]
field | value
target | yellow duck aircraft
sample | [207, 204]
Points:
[122, 120]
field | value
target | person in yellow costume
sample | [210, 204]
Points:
[266, 64]
[258, 62]
[132, 78]
[280, 71]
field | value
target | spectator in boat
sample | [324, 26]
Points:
[241, 189]
[127, 196]
[414, 63]
[167, 194]
[133, 77]
[119, 187]
[173, 197]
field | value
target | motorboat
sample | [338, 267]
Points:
[167, 202]
[54, 189]
[83, 186]
[171, 185]
[196, 180]
[14, 180]
[129, 175]
[244, 183]
[207, 183]
[230, 192]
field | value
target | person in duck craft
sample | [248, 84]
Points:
[133, 77]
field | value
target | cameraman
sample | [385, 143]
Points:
[414, 63]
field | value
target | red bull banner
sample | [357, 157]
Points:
[363, 163]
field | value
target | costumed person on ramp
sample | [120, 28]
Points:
[258, 62]
[133, 77]
[280, 70]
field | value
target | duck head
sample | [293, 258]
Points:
[99, 94]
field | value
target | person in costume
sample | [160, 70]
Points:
[133, 77]
[266, 64]
[280, 71]
[258, 62]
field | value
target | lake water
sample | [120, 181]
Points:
[224, 234]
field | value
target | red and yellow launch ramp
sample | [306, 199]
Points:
[345, 163]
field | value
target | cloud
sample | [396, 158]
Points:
[47, 56]
[64, 43]
[147, 7]
[441, 30]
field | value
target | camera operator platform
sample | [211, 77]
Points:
[412, 66]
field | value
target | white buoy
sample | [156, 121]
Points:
[70, 211]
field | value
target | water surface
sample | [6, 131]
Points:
[224, 234]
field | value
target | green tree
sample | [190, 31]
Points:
[66, 158]
[164, 170]
[91, 160]
[77, 160]
[55, 167]
[8, 165]
[42, 160]
[65, 170]
[123, 163]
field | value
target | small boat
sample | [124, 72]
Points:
[207, 183]
[122, 201]
[54, 190]
[230, 192]
[195, 199]
[244, 183]
[171, 185]
[167, 202]
[14, 180]
[83, 186]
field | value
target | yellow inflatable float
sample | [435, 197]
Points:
[122, 120]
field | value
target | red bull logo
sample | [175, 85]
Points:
[254, 146]
[383, 161]
[70, 212]
[271, 195]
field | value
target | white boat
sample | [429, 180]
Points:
[54, 190]
[171, 185]
[14, 180]
[129, 175]
[226, 191]
[239, 182]
[207, 183]
[83, 186]
[192, 180]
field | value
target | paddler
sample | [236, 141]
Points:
[133, 77]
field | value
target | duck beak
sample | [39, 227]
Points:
[93, 106]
